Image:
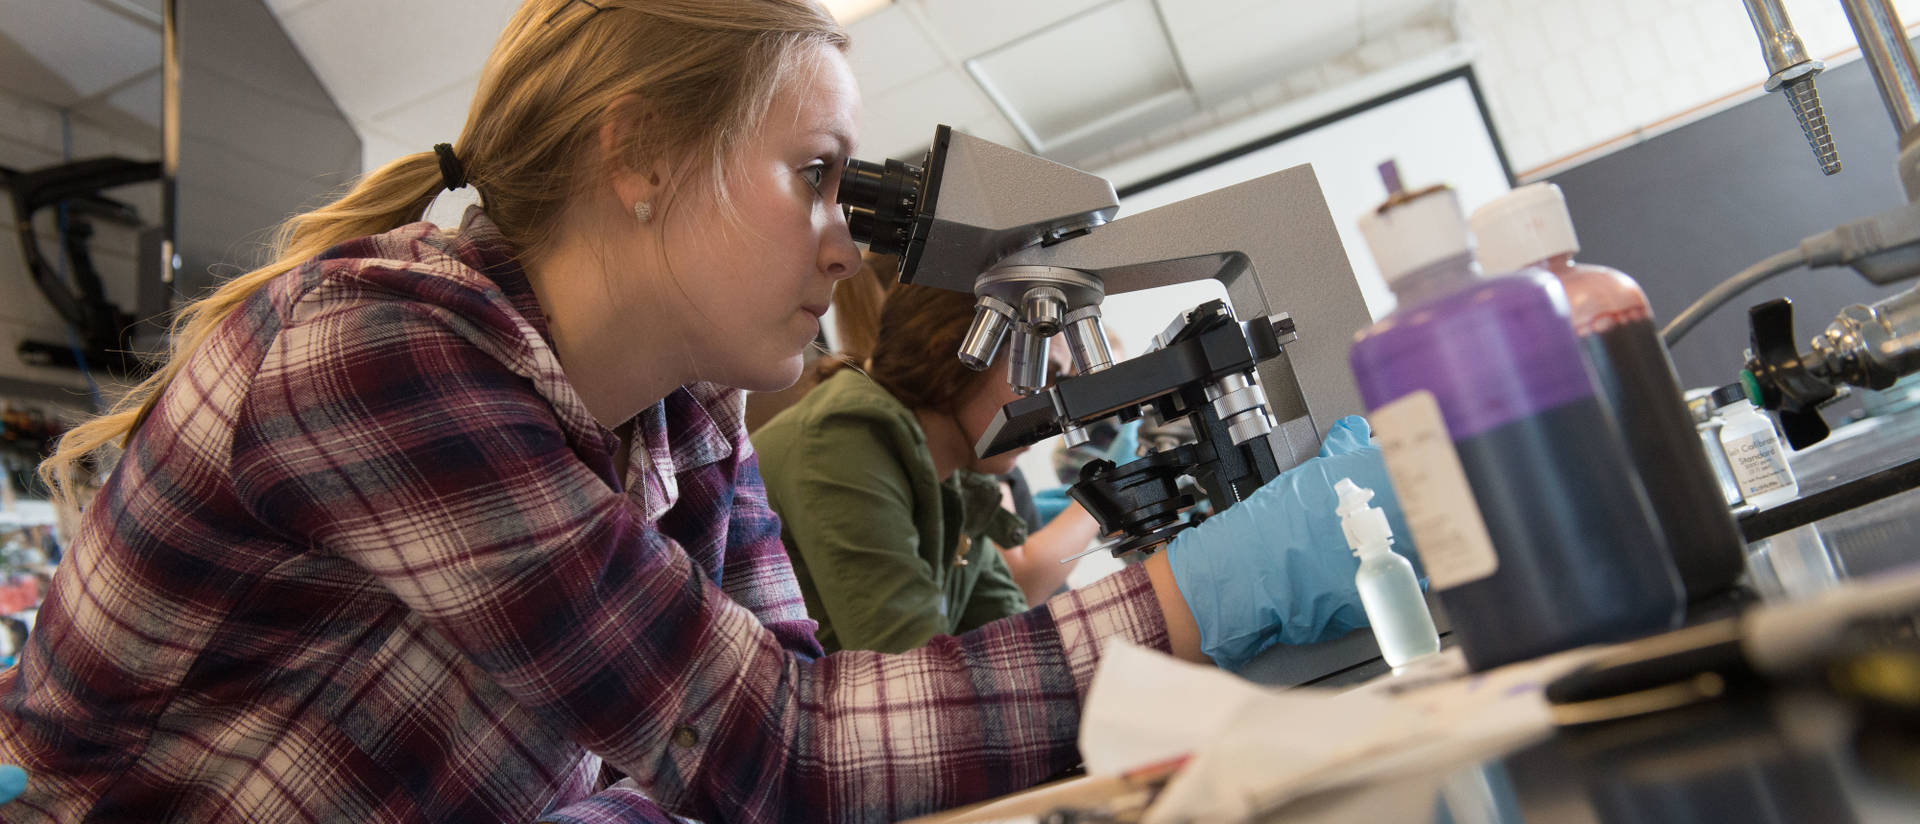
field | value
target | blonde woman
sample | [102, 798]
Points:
[424, 524]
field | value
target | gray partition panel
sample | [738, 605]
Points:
[1686, 209]
[260, 139]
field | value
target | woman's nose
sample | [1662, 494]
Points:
[839, 256]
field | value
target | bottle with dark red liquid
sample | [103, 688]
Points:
[1511, 469]
[1530, 227]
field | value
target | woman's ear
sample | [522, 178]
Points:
[629, 160]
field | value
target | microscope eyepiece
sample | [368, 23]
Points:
[880, 202]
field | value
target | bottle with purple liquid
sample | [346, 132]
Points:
[1511, 469]
[1529, 226]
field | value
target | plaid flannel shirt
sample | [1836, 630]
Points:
[368, 560]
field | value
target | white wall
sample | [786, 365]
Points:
[1564, 77]
[1435, 136]
[32, 135]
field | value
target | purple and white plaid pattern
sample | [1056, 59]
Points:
[368, 560]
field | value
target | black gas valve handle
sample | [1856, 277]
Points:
[1781, 376]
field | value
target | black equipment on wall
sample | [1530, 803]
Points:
[104, 332]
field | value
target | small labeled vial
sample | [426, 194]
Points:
[1754, 451]
[1389, 592]
[1700, 405]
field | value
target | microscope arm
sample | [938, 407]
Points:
[1296, 265]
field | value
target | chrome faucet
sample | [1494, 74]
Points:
[1884, 47]
[1868, 346]
[1791, 72]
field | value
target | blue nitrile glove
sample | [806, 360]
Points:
[1276, 568]
[13, 782]
[1125, 448]
[1049, 503]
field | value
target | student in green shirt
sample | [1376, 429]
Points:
[896, 530]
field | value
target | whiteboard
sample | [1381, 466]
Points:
[1436, 133]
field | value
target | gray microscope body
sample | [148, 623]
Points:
[1038, 245]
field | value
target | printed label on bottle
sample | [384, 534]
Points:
[1758, 464]
[1432, 487]
[1722, 468]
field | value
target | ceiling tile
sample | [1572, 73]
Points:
[375, 55]
[1047, 80]
[156, 8]
[32, 127]
[23, 74]
[140, 100]
[73, 66]
[974, 27]
[1228, 46]
[901, 122]
[1382, 15]
[890, 49]
[282, 8]
[378, 149]
[994, 128]
[434, 118]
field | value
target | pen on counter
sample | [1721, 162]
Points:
[1705, 661]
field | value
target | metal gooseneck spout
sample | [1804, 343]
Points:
[1791, 71]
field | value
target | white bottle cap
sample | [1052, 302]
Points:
[1416, 233]
[1365, 525]
[1741, 409]
[1524, 226]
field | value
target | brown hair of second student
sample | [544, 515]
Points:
[916, 351]
[856, 306]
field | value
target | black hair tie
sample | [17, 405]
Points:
[452, 174]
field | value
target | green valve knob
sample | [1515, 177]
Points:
[1752, 386]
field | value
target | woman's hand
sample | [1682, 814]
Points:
[1183, 634]
[1036, 565]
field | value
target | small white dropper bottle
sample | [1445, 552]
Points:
[1754, 449]
[1388, 590]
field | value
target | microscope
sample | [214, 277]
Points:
[1258, 377]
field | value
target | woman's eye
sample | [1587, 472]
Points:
[814, 175]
